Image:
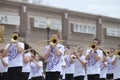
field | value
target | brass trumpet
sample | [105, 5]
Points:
[53, 41]
[14, 37]
[118, 54]
[93, 47]
[73, 56]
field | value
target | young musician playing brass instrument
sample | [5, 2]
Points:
[26, 62]
[93, 56]
[15, 58]
[110, 63]
[69, 60]
[80, 65]
[52, 56]
[36, 68]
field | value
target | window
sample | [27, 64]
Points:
[84, 28]
[113, 32]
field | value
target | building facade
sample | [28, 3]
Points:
[75, 28]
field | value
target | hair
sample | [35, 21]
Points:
[27, 46]
[17, 33]
[119, 45]
[96, 40]
[104, 53]
[68, 47]
[80, 48]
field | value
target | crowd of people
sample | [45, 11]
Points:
[18, 61]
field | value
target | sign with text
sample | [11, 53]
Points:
[42, 22]
[9, 19]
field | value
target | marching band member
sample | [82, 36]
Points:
[80, 65]
[26, 62]
[93, 56]
[52, 56]
[3, 65]
[36, 68]
[110, 62]
[103, 66]
[69, 59]
[117, 65]
[15, 58]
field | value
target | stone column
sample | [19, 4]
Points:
[23, 21]
[65, 28]
[99, 29]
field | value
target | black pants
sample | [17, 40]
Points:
[117, 79]
[14, 73]
[24, 75]
[79, 78]
[37, 78]
[61, 76]
[93, 76]
[0, 76]
[4, 76]
[102, 79]
[109, 76]
[68, 76]
[52, 75]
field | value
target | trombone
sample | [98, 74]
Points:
[93, 47]
[118, 54]
[52, 41]
[14, 38]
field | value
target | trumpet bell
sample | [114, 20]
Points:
[53, 41]
[93, 46]
[14, 37]
[73, 57]
[118, 54]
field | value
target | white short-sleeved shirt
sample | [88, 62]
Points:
[103, 70]
[110, 67]
[2, 67]
[93, 66]
[79, 69]
[117, 69]
[35, 70]
[26, 66]
[54, 61]
[14, 57]
[69, 69]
